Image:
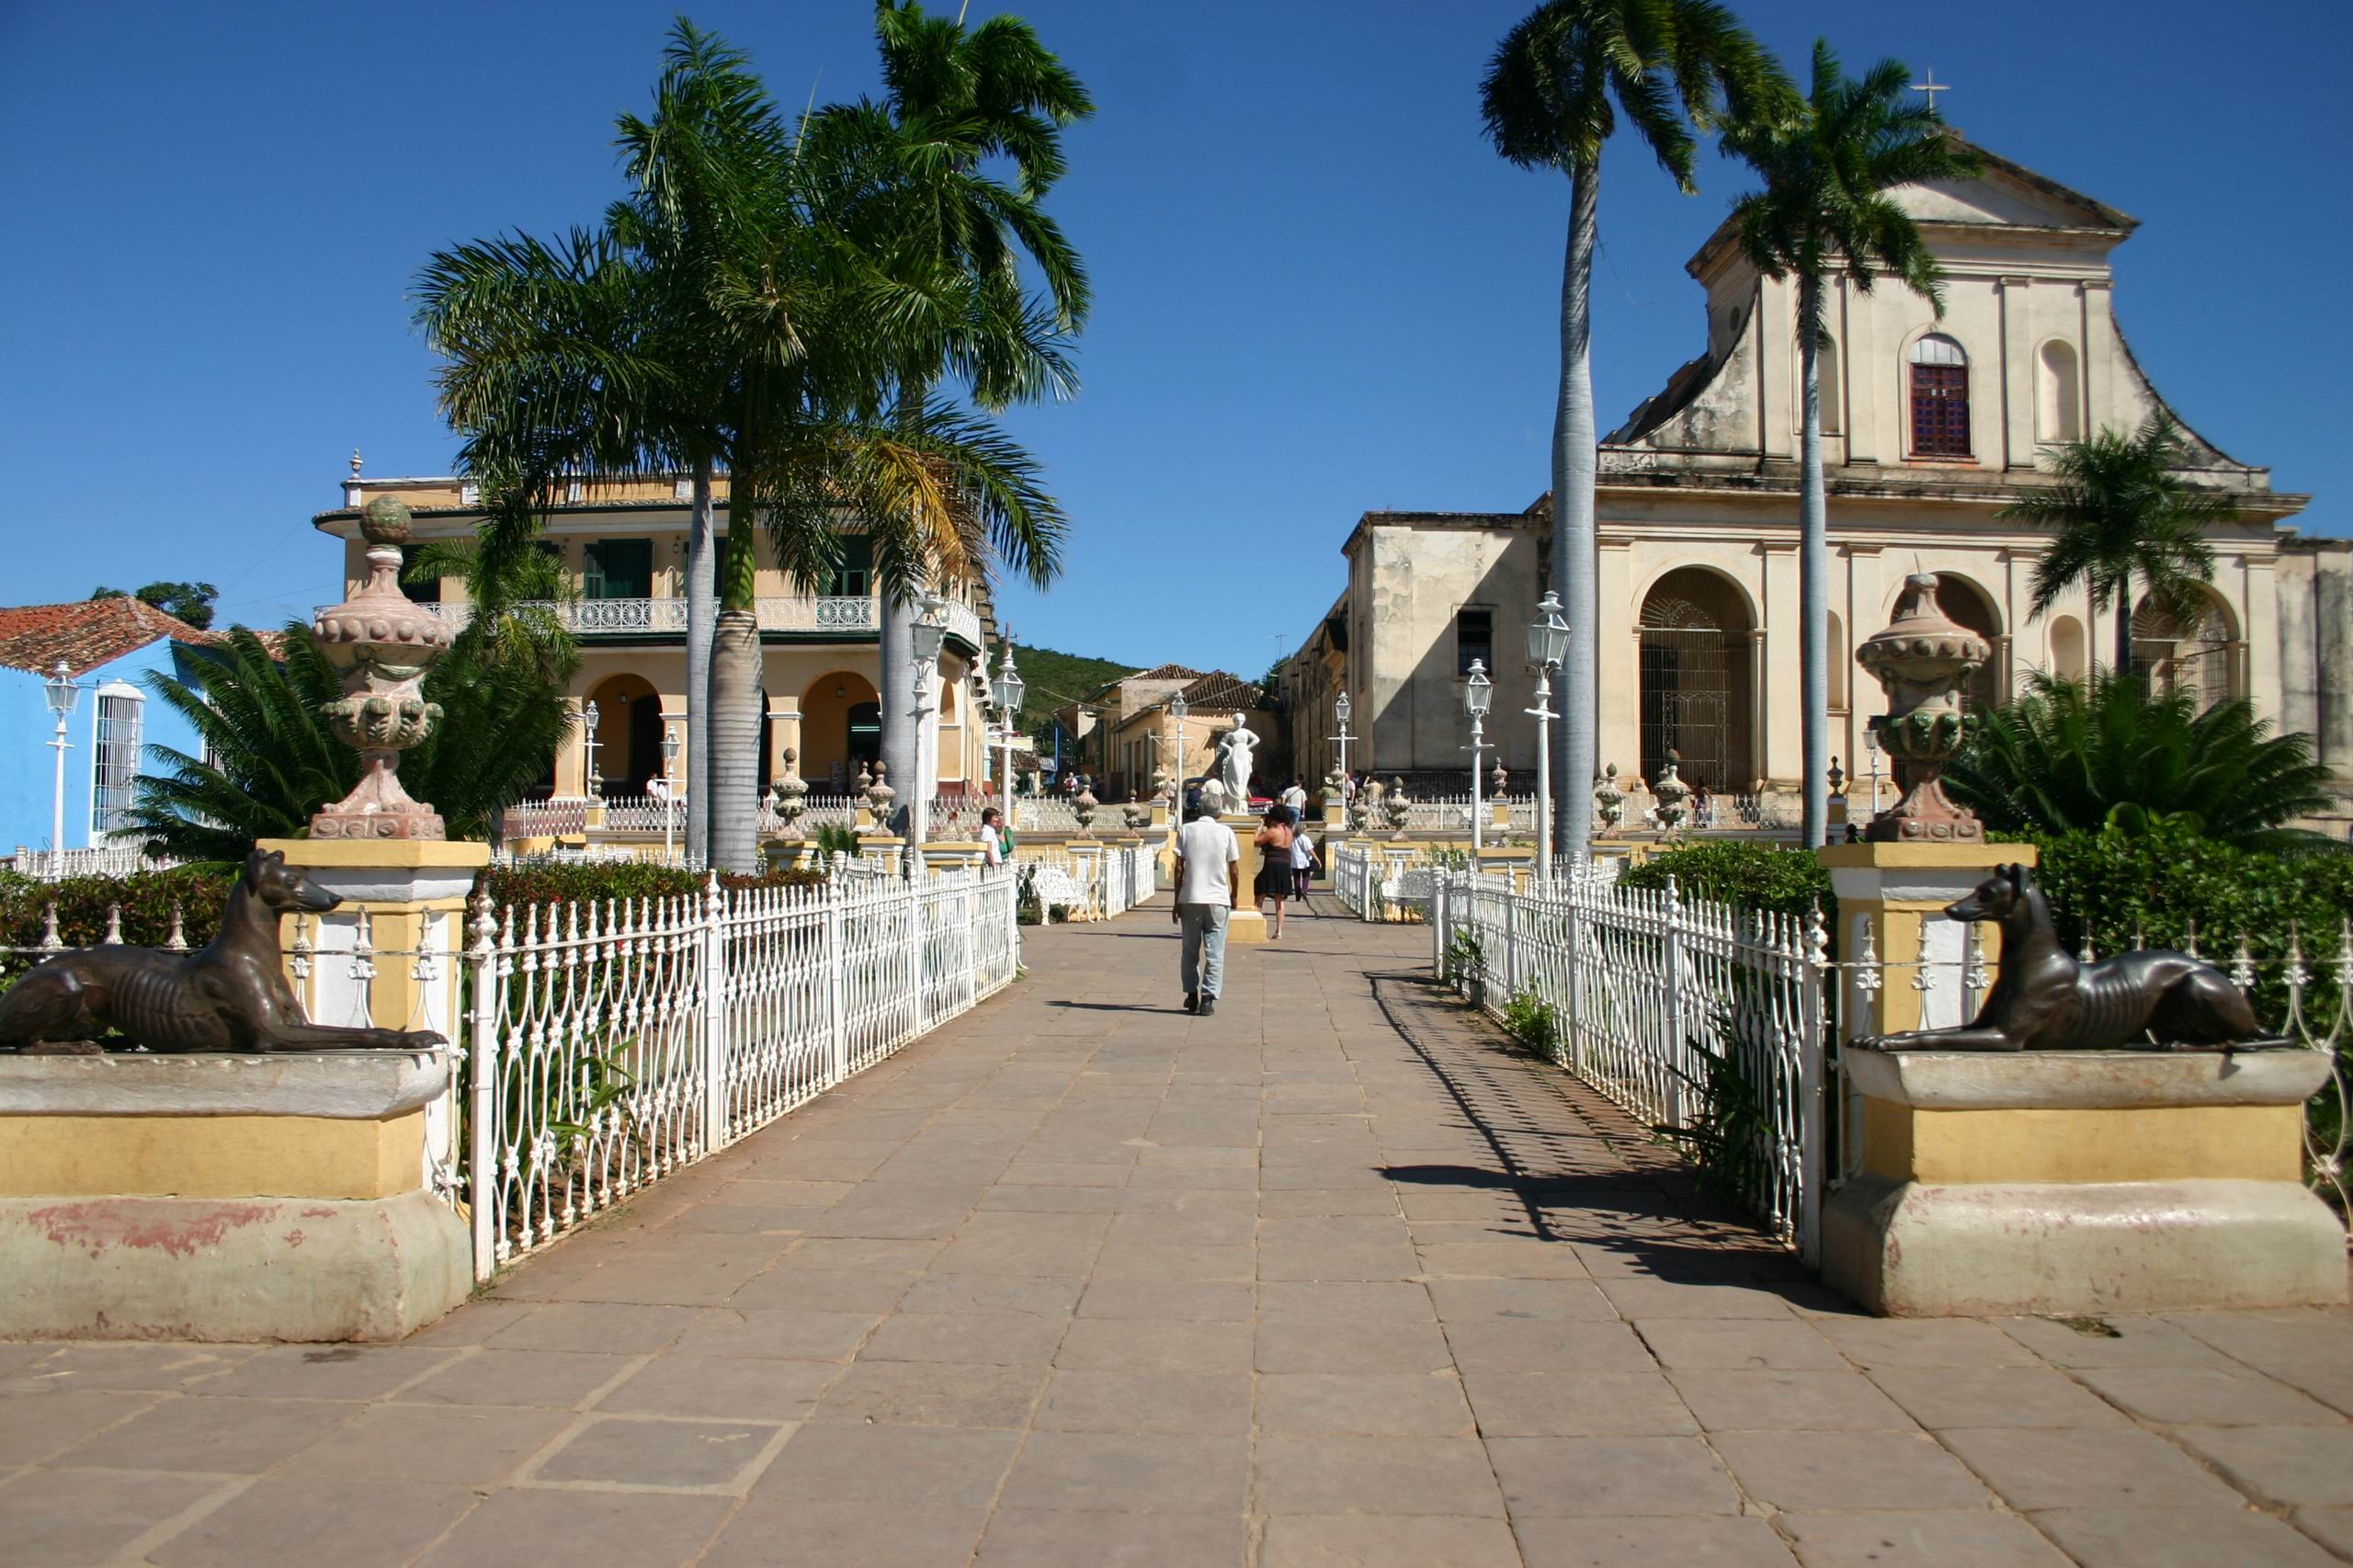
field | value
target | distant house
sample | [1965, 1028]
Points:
[109, 647]
[1146, 736]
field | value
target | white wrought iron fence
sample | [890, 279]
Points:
[1045, 813]
[103, 860]
[1089, 884]
[1693, 1015]
[605, 1046]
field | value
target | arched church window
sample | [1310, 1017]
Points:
[1939, 398]
[2058, 394]
[2189, 647]
[1696, 681]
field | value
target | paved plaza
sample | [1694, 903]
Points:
[1332, 1277]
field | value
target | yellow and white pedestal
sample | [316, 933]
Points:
[2074, 1182]
[224, 1198]
[1245, 923]
[1895, 895]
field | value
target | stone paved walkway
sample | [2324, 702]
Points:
[1329, 1279]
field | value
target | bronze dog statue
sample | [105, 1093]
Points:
[231, 995]
[2047, 1000]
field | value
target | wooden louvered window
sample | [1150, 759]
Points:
[1939, 398]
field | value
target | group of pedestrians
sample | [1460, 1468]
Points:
[1209, 886]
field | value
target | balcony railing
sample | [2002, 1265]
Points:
[591, 618]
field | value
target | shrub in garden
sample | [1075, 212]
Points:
[146, 898]
[1779, 878]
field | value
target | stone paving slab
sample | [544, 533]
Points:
[1330, 1278]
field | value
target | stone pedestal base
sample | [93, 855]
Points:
[1245, 924]
[2070, 1249]
[224, 1198]
[2078, 1183]
[211, 1268]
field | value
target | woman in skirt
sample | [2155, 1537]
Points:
[1274, 879]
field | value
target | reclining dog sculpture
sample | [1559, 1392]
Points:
[229, 997]
[2046, 1000]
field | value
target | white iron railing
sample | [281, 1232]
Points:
[605, 1046]
[1047, 813]
[1090, 884]
[104, 861]
[1692, 1016]
[805, 612]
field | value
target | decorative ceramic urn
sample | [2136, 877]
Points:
[1670, 792]
[381, 644]
[1398, 807]
[879, 796]
[792, 798]
[1608, 801]
[1922, 659]
[1085, 806]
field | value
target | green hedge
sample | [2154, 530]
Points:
[1775, 877]
[147, 899]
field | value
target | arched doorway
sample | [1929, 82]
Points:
[1967, 604]
[2189, 647]
[841, 727]
[1697, 684]
[629, 732]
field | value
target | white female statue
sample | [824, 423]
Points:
[1234, 752]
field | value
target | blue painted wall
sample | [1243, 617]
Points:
[27, 762]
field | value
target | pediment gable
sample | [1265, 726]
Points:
[2010, 195]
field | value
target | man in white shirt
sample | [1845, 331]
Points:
[1208, 883]
[1296, 798]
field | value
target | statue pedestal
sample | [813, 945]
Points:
[1896, 894]
[2080, 1183]
[1245, 925]
[224, 1198]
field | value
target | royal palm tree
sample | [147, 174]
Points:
[1824, 213]
[955, 99]
[2121, 508]
[836, 301]
[1553, 94]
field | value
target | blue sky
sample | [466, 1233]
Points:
[1318, 290]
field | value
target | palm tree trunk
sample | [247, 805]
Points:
[702, 610]
[2124, 626]
[1813, 569]
[893, 685]
[1574, 538]
[734, 705]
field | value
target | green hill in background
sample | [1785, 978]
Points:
[1055, 680]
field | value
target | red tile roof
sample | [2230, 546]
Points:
[92, 633]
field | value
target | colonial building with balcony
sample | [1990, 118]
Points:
[623, 544]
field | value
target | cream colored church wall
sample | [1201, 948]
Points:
[1415, 581]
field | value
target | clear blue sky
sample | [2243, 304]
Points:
[1319, 291]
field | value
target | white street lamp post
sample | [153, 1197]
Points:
[62, 694]
[1871, 739]
[1478, 696]
[1340, 707]
[1547, 644]
[924, 638]
[669, 787]
[589, 785]
[1179, 710]
[1009, 689]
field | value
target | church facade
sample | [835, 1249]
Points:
[1931, 427]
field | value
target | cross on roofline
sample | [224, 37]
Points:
[1931, 86]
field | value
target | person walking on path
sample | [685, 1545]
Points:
[1209, 881]
[1303, 862]
[1274, 881]
[1296, 798]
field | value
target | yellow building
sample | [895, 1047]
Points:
[624, 543]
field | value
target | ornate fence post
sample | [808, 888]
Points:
[837, 990]
[1814, 1108]
[1573, 904]
[483, 1197]
[1671, 947]
[715, 1043]
[1511, 945]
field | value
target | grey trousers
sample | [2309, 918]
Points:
[1202, 966]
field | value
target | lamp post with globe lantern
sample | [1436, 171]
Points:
[1478, 696]
[61, 693]
[924, 639]
[1009, 689]
[1548, 643]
